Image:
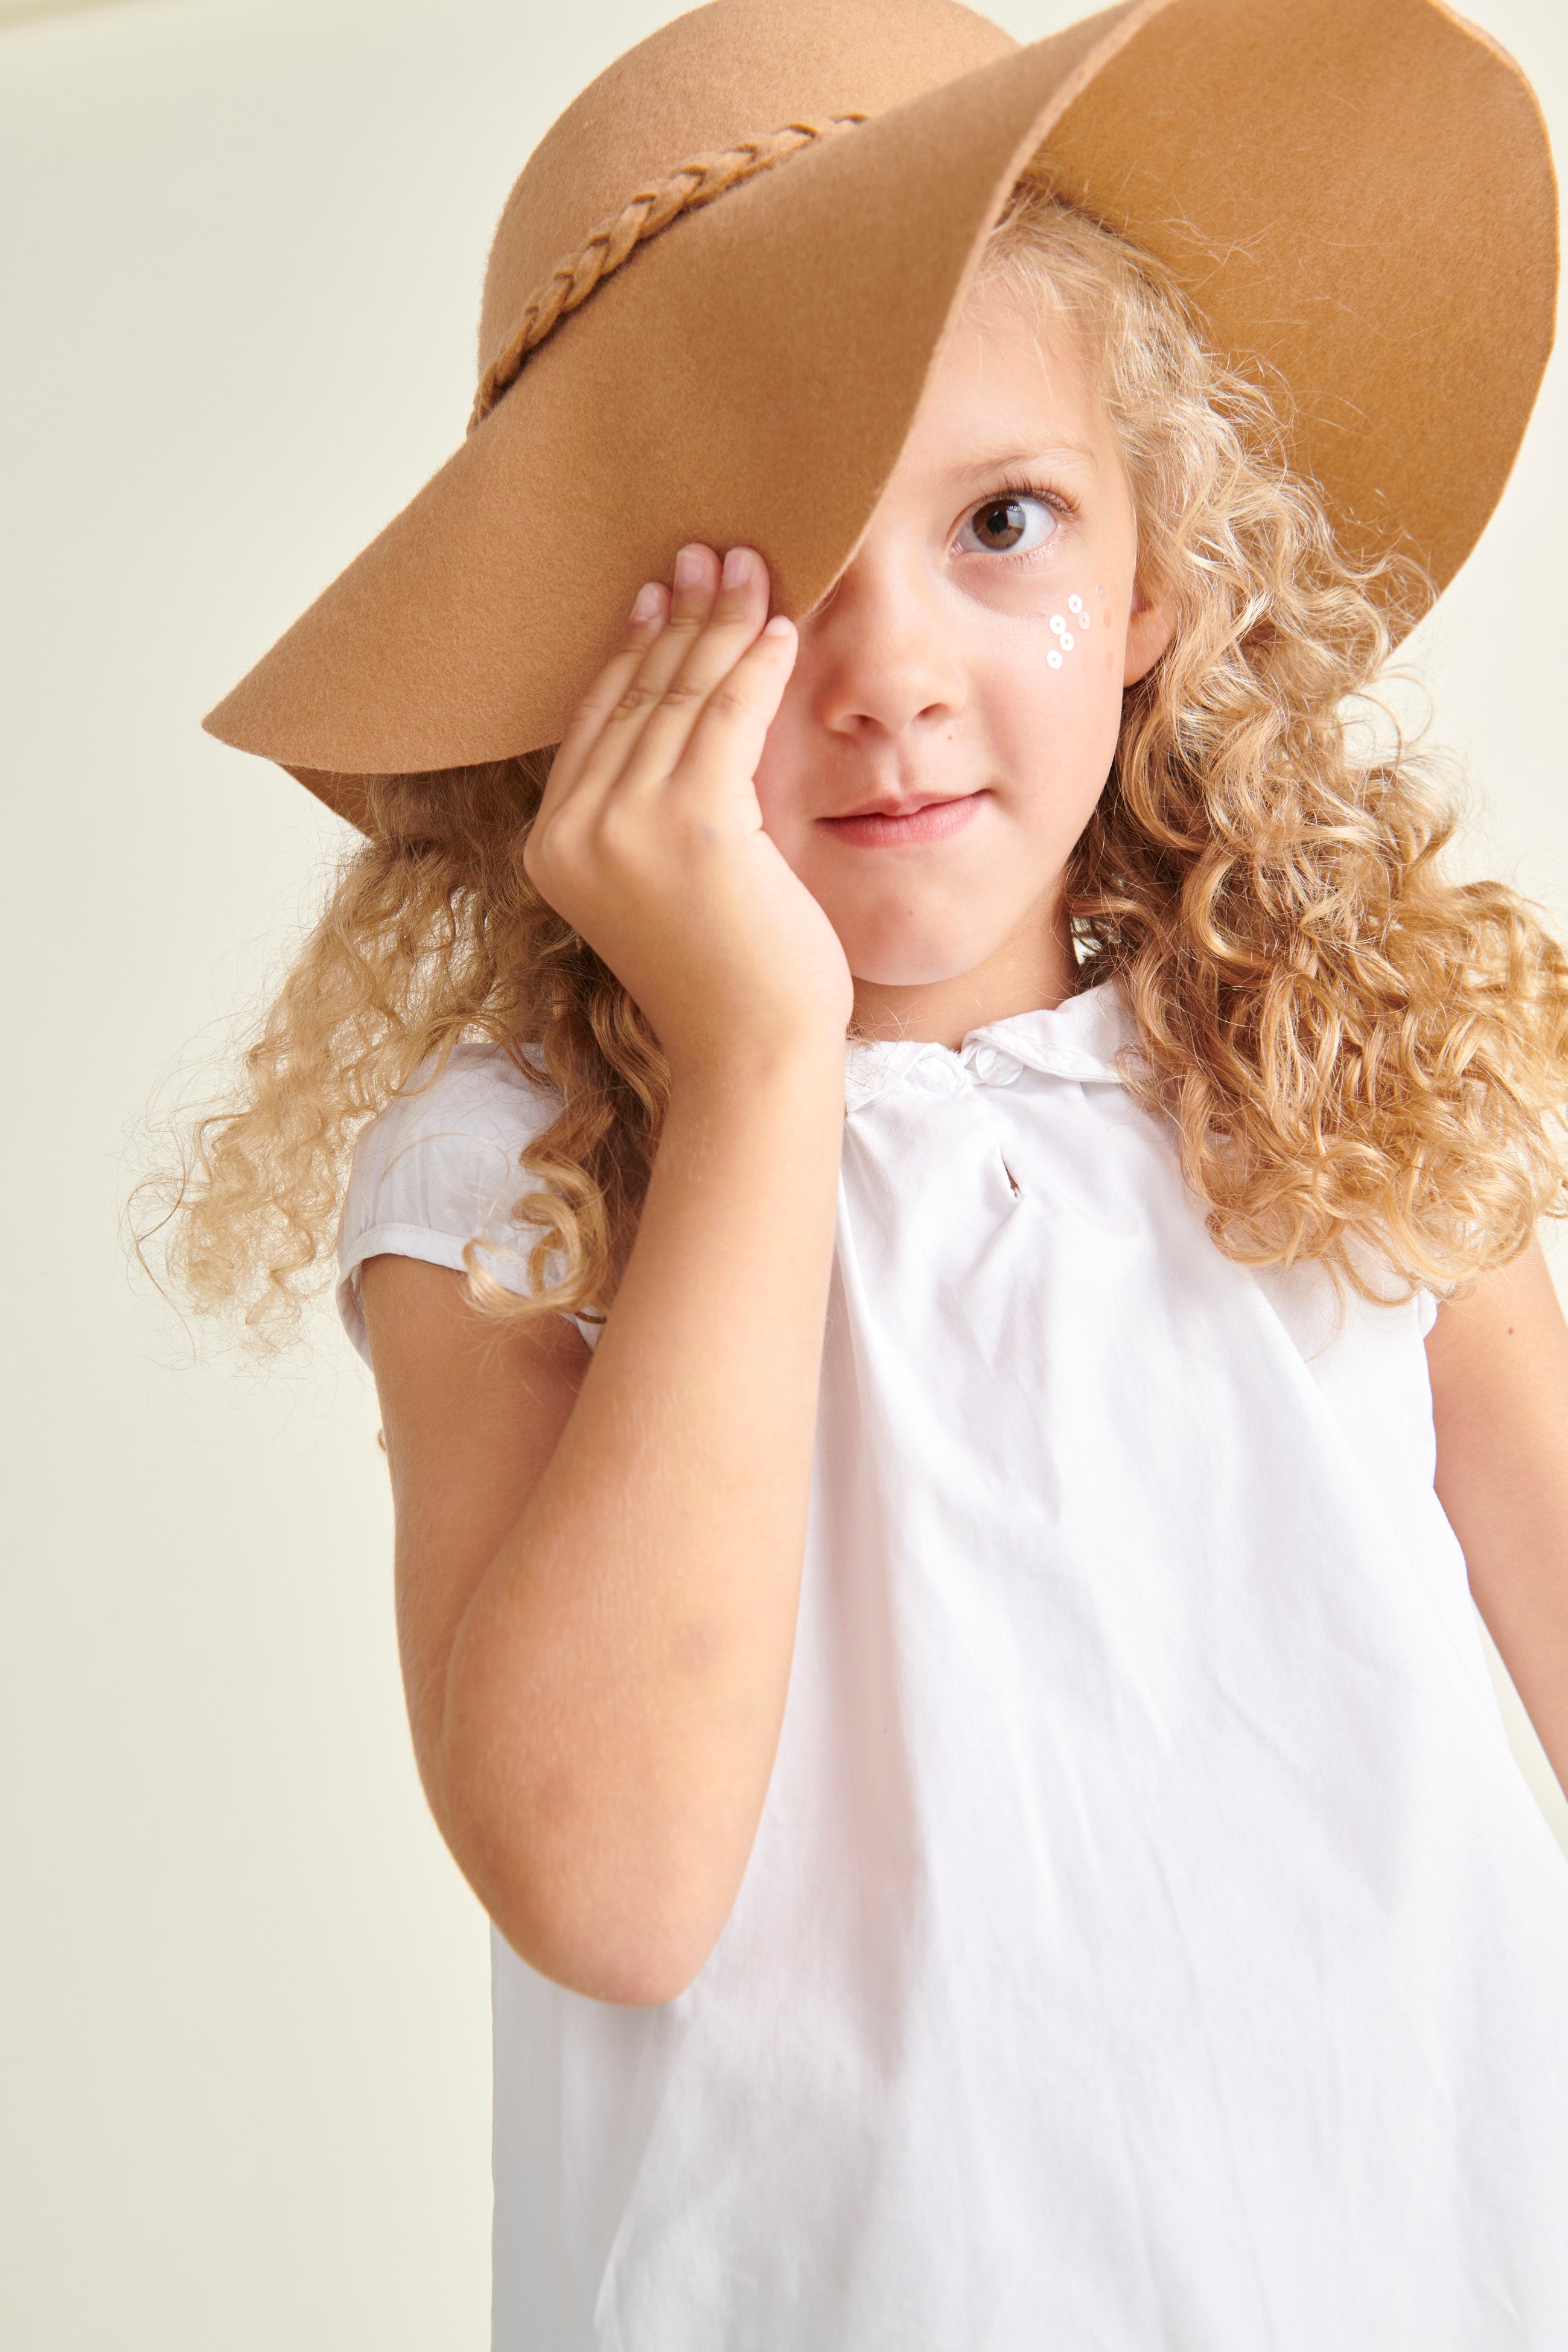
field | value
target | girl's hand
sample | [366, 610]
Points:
[649, 839]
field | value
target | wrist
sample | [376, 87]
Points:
[800, 1064]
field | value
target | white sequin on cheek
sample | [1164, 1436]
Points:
[1062, 627]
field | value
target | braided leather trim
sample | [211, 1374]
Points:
[688, 188]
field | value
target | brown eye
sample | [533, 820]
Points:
[1013, 525]
[1001, 524]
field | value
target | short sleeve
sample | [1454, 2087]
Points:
[438, 1169]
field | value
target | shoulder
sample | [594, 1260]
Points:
[480, 1106]
[438, 1168]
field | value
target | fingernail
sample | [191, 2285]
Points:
[737, 567]
[689, 567]
[781, 625]
[648, 601]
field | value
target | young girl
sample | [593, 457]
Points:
[931, 1570]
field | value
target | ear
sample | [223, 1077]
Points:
[1150, 629]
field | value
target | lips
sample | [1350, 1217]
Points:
[887, 828]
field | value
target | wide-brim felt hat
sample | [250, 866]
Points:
[719, 285]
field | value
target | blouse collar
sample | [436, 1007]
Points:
[1079, 1038]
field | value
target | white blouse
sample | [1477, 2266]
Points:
[1149, 1940]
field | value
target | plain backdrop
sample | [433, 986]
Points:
[245, 1996]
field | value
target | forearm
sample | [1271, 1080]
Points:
[616, 1687]
[1498, 1358]
[1533, 1646]
[1514, 1537]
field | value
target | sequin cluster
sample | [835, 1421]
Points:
[1062, 627]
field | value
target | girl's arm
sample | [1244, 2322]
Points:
[1498, 1360]
[598, 1560]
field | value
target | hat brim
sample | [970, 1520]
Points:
[1359, 200]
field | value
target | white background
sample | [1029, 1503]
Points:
[244, 1991]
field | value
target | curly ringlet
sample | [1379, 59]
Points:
[1364, 1061]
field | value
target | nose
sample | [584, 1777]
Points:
[883, 650]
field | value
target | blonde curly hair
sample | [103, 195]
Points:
[1363, 1062]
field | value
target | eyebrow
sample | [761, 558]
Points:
[1000, 461]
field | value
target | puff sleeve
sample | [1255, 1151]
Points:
[439, 1169]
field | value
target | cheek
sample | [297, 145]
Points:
[1082, 645]
[1072, 628]
[1057, 706]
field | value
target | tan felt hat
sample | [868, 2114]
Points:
[717, 288]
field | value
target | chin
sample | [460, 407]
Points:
[912, 959]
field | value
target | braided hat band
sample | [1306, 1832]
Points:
[689, 186]
[1369, 217]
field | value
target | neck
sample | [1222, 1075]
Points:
[1032, 969]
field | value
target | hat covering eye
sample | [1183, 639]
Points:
[717, 288]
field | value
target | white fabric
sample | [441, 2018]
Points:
[438, 1171]
[1150, 1944]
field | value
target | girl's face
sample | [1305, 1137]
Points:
[953, 712]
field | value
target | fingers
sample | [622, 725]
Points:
[714, 615]
[723, 624]
[725, 741]
[714, 623]
[645, 625]
[635, 724]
